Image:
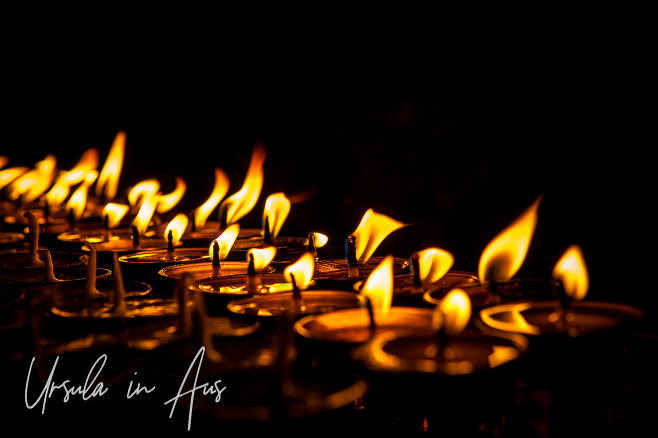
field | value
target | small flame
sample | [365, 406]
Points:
[78, 201]
[572, 272]
[144, 215]
[33, 183]
[378, 287]
[226, 241]
[222, 184]
[177, 226]
[455, 309]
[108, 179]
[504, 255]
[9, 175]
[277, 207]
[433, 263]
[241, 202]
[302, 270]
[114, 213]
[320, 239]
[167, 202]
[262, 256]
[372, 230]
[142, 190]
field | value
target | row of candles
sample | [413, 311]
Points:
[108, 264]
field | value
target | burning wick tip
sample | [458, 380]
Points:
[170, 241]
[135, 232]
[267, 235]
[310, 247]
[296, 293]
[415, 269]
[371, 314]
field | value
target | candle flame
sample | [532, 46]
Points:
[114, 213]
[83, 171]
[433, 263]
[9, 175]
[372, 230]
[169, 201]
[33, 183]
[144, 215]
[108, 180]
[222, 184]
[277, 207]
[378, 287]
[262, 256]
[177, 226]
[504, 255]
[78, 201]
[572, 272]
[144, 189]
[241, 202]
[302, 270]
[226, 240]
[320, 239]
[454, 312]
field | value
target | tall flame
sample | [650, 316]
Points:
[177, 227]
[241, 202]
[455, 310]
[504, 255]
[572, 272]
[218, 192]
[378, 287]
[114, 213]
[83, 171]
[302, 270]
[142, 190]
[372, 230]
[108, 180]
[78, 200]
[277, 207]
[226, 241]
[33, 183]
[433, 263]
[9, 175]
[169, 201]
[146, 193]
[262, 256]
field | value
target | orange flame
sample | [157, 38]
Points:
[177, 226]
[108, 179]
[114, 213]
[167, 202]
[504, 255]
[455, 311]
[378, 287]
[78, 200]
[433, 263]
[320, 239]
[144, 189]
[372, 230]
[144, 215]
[302, 270]
[572, 272]
[277, 207]
[145, 193]
[3, 161]
[83, 171]
[9, 175]
[241, 202]
[509, 318]
[262, 256]
[226, 241]
[33, 183]
[219, 191]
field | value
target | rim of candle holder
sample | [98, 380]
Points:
[227, 268]
[610, 316]
[35, 278]
[159, 256]
[11, 237]
[60, 259]
[277, 303]
[430, 354]
[405, 283]
[335, 269]
[236, 285]
[126, 246]
[77, 289]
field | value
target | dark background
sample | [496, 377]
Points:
[454, 137]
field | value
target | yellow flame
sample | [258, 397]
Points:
[302, 270]
[114, 213]
[320, 239]
[372, 230]
[177, 226]
[33, 183]
[143, 217]
[262, 256]
[222, 184]
[512, 318]
[572, 272]
[277, 207]
[378, 287]
[142, 190]
[241, 202]
[504, 255]
[455, 308]
[108, 179]
[78, 201]
[167, 202]
[226, 240]
[433, 263]
[9, 175]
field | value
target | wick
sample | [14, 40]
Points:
[310, 247]
[106, 228]
[371, 314]
[33, 244]
[46, 211]
[118, 291]
[415, 270]
[49, 271]
[267, 235]
[90, 282]
[170, 245]
[136, 242]
[350, 255]
[70, 218]
[216, 266]
[296, 293]
[254, 283]
[562, 315]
